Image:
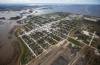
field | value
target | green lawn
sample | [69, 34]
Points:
[74, 41]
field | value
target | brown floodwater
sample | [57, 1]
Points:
[9, 50]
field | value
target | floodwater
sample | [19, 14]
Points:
[8, 50]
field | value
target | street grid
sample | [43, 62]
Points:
[42, 32]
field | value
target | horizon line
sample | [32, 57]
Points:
[57, 3]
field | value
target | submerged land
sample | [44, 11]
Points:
[35, 37]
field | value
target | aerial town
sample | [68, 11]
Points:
[49, 34]
[59, 39]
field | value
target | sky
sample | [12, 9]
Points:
[52, 1]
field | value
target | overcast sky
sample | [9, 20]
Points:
[53, 1]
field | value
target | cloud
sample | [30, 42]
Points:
[15, 1]
[53, 1]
